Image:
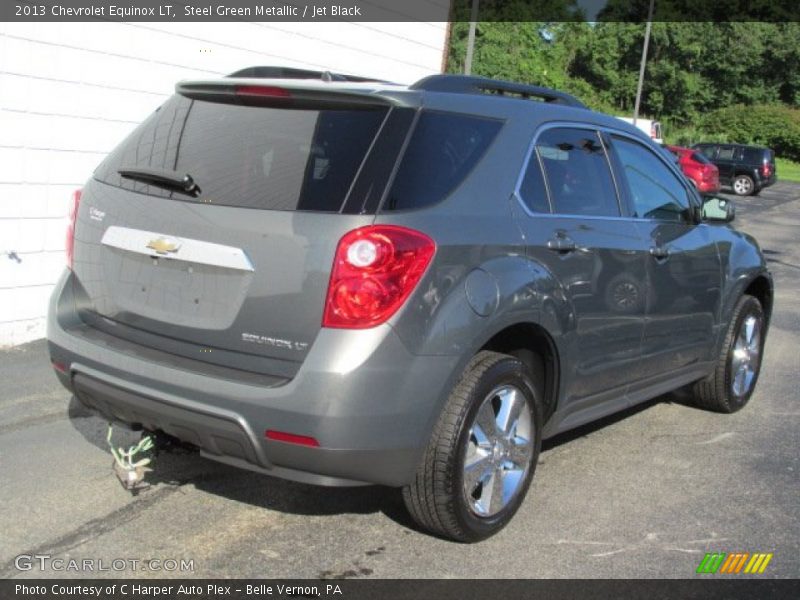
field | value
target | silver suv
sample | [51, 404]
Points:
[344, 282]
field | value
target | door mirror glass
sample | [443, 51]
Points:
[718, 209]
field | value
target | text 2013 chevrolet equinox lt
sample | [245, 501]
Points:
[341, 281]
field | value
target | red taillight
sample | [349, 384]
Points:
[267, 91]
[766, 169]
[375, 270]
[291, 438]
[73, 217]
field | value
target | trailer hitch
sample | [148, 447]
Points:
[129, 471]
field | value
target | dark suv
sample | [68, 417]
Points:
[745, 169]
[347, 282]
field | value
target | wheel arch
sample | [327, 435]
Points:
[760, 287]
[532, 344]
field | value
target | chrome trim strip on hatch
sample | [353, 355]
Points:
[170, 247]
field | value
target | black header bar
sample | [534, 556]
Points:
[396, 10]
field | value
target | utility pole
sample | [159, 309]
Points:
[471, 38]
[644, 62]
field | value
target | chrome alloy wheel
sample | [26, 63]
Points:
[746, 356]
[742, 186]
[498, 451]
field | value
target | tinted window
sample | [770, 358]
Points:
[755, 155]
[532, 190]
[698, 157]
[655, 191]
[726, 153]
[577, 172]
[707, 150]
[246, 156]
[443, 150]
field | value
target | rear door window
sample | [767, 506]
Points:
[443, 150]
[246, 156]
[577, 172]
[726, 153]
[707, 150]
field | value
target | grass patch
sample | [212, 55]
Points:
[787, 170]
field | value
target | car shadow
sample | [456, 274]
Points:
[179, 466]
[682, 397]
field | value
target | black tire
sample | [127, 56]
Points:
[716, 392]
[436, 498]
[743, 185]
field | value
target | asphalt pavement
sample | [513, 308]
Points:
[642, 494]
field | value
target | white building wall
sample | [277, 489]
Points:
[70, 92]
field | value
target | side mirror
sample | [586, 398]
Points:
[718, 209]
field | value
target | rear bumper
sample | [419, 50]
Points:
[368, 402]
[771, 180]
[708, 187]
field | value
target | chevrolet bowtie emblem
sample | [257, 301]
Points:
[164, 245]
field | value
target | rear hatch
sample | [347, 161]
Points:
[210, 231]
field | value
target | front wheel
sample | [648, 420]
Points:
[732, 383]
[743, 185]
[482, 454]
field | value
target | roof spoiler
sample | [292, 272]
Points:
[273, 93]
[272, 72]
[464, 84]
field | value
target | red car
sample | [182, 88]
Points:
[697, 168]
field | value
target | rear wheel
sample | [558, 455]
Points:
[482, 454]
[743, 185]
[732, 383]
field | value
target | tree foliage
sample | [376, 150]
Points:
[775, 126]
[693, 68]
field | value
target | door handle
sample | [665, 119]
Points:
[561, 244]
[660, 253]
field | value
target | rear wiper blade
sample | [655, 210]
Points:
[163, 178]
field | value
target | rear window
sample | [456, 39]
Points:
[698, 157]
[443, 150]
[757, 155]
[252, 157]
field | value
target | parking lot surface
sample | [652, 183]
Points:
[642, 494]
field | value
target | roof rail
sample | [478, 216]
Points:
[270, 72]
[465, 84]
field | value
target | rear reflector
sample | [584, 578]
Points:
[264, 91]
[291, 438]
[60, 367]
[73, 217]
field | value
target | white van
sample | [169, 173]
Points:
[650, 127]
